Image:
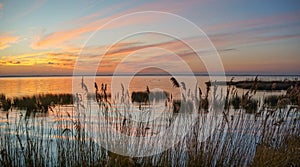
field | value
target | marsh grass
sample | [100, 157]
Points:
[65, 137]
[284, 155]
[5, 103]
[41, 102]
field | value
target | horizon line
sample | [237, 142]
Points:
[149, 74]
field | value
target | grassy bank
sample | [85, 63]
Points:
[260, 85]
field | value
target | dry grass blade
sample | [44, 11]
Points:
[183, 85]
[83, 86]
[96, 87]
[174, 82]
[66, 130]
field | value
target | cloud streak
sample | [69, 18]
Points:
[257, 30]
[6, 40]
[37, 4]
[267, 21]
[58, 38]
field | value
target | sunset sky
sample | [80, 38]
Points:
[43, 37]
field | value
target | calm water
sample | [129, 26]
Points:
[27, 86]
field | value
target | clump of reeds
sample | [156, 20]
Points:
[236, 101]
[5, 103]
[41, 102]
[271, 100]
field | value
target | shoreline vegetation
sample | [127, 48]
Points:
[260, 85]
[41, 102]
[252, 132]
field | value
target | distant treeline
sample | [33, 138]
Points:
[261, 85]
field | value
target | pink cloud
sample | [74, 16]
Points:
[56, 39]
[6, 40]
